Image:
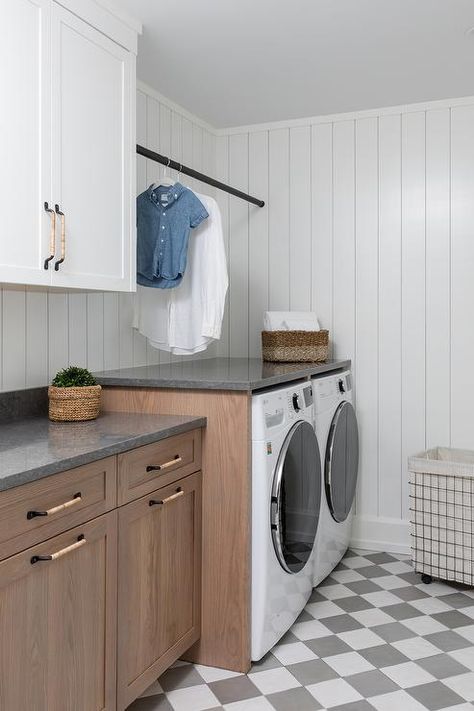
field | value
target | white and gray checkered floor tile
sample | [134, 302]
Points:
[372, 637]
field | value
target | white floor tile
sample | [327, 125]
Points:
[435, 589]
[346, 576]
[397, 568]
[361, 639]
[334, 692]
[371, 618]
[357, 562]
[335, 592]
[466, 632]
[430, 605]
[469, 611]
[382, 598]
[408, 674]
[293, 653]
[462, 684]
[272, 680]
[210, 674]
[260, 703]
[310, 630]
[192, 698]
[391, 582]
[396, 701]
[326, 608]
[464, 656]
[348, 663]
[416, 648]
[424, 625]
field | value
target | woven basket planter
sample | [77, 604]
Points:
[295, 346]
[74, 404]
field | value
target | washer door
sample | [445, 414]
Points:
[296, 498]
[342, 462]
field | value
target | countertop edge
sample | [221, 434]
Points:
[241, 386]
[33, 474]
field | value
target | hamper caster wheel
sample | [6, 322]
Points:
[426, 579]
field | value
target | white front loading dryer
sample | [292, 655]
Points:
[336, 430]
[286, 498]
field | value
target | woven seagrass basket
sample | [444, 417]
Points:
[295, 346]
[74, 404]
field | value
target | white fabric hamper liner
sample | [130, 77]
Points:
[442, 512]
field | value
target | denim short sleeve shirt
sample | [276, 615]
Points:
[165, 217]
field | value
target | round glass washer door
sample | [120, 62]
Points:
[296, 498]
[342, 462]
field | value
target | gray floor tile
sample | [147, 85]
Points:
[412, 578]
[441, 666]
[435, 696]
[372, 683]
[316, 596]
[354, 603]
[361, 587]
[328, 581]
[180, 677]
[328, 646]
[236, 688]
[383, 656]
[312, 672]
[362, 705]
[458, 600]
[151, 703]
[452, 618]
[448, 640]
[267, 662]
[409, 593]
[393, 632]
[289, 637]
[341, 623]
[380, 558]
[304, 617]
[401, 611]
[372, 571]
[298, 699]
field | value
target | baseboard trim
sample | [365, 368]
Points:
[381, 534]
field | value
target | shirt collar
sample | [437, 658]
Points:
[174, 191]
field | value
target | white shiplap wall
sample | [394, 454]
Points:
[370, 222]
[42, 331]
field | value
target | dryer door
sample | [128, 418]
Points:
[342, 462]
[296, 498]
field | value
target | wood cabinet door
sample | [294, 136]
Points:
[93, 146]
[159, 583]
[25, 140]
[58, 622]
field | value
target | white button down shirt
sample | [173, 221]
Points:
[185, 320]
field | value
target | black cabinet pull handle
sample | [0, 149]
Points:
[55, 509]
[158, 467]
[52, 235]
[161, 502]
[81, 540]
[63, 238]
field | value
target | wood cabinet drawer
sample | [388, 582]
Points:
[147, 468]
[34, 512]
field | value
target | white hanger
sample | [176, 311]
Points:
[165, 180]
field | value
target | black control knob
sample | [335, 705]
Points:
[342, 387]
[296, 402]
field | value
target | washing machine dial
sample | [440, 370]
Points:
[297, 402]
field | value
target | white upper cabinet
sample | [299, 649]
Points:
[25, 140]
[69, 140]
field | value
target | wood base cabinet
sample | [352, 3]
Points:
[57, 622]
[159, 583]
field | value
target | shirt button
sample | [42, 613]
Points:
[162, 240]
[163, 227]
[164, 214]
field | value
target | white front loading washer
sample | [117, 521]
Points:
[336, 430]
[286, 498]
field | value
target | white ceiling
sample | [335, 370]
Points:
[235, 62]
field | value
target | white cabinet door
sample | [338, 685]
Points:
[93, 125]
[25, 140]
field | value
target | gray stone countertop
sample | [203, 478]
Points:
[34, 447]
[248, 374]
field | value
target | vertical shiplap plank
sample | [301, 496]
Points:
[36, 367]
[142, 140]
[258, 240]
[152, 133]
[239, 246]
[413, 293]
[279, 220]
[438, 298]
[300, 218]
[390, 316]
[95, 331]
[176, 135]
[153, 355]
[343, 240]
[209, 168]
[125, 330]
[111, 331]
[14, 339]
[77, 315]
[366, 349]
[462, 270]
[58, 346]
[223, 200]
[322, 223]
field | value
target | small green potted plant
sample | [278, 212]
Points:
[74, 395]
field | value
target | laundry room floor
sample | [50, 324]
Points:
[372, 636]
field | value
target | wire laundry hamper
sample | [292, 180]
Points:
[442, 513]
